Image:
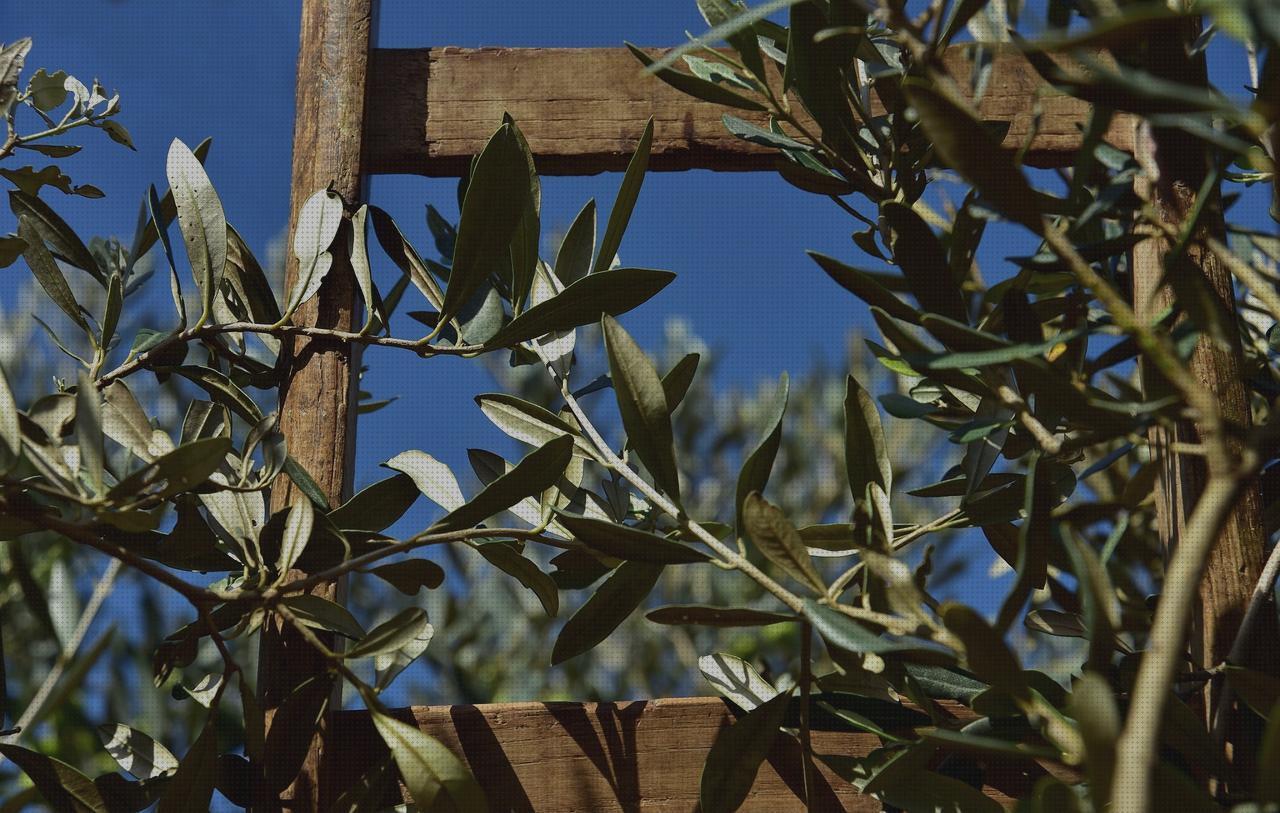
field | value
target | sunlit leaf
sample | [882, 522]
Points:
[625, 202]
[136, 752]
[495, 202]
[539, 470]
[434, 776]
[203, 223]
[643, 405]
[779, 540]
[610, 292]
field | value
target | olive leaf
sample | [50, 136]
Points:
[736, 680]
[608, 607]
[61, 785]
[410, 575]
[510, 561]
[46, 271]
[297, 533]
[573, 260]
[47, 225]
[202, 221]
[625, 202]
[610, 292]
[866, 453]
[136, 752]
[643, 405]
[736, 755]
[434, 776]
[495, 202]
[432, 478]
[779, 540]
[627, 543]
[539, 470]
[696, 86]
[377, 507]
[759, 463]
[707, 616]
[10, 427]
[316, 229]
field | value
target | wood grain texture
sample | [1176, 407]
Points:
[583, 110]
[643, 756]
[1175, 168]
[317, 411]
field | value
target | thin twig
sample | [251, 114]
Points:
[100, 592]
[205, 331]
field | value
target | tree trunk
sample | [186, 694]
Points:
[317, 410]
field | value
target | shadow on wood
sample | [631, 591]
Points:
[643, 756]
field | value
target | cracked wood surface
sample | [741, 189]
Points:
[583, 110]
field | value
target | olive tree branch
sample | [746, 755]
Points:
[132, 365]
[732, 557]
[1136, 750]
[419, 541]
[100, 592]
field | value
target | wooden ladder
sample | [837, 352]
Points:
[363, 111]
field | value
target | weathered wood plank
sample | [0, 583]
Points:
[643, 756]
[583, 110]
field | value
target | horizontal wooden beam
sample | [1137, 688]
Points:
[583, 109]
[643, 756]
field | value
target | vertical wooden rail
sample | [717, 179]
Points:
[317, 411]
[1182, 164]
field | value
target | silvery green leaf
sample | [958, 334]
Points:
[779, 540]
[359, 252]
[433, 478]
[529, 423]
[136, 752]
[866, 453]
[89, 433]
[431, 772]
[297, 533]
[46, 271]
[643, 404]
[203, 223]
[539, 470]
[405, 627]
[758, 465]
[556, 347]
[64, 242]
[610, 605]
[317, 226]
[10, 430]
[320, 613]
[736, 680]
[12, 58]
[410, 575]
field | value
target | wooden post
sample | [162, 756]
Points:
[317, 411]
[1180, 163]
